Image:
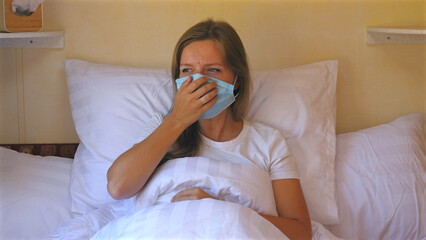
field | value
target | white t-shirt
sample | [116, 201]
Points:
[257, 144]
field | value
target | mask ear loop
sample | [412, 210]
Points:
[236, 90]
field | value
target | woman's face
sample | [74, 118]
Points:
[205, 57]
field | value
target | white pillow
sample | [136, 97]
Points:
[381, 181]
[111, 104]
[301, 103]
[34, 196]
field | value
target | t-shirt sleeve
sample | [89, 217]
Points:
[283, 165]
[150, 127]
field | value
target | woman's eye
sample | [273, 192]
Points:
[214, 70]
[185, 70]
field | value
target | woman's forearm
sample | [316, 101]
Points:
[292, 228]
[131, 170]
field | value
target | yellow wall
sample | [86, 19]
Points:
[375, 83]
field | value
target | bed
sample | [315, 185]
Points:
[366, 184]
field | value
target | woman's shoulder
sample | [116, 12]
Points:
[264, 131]
[261, 127]
[269, 138]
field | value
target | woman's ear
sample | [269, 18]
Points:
[236, 86]
[236, 83]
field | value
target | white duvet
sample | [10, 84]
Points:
[244, 191]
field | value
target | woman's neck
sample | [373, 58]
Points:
[221, 128]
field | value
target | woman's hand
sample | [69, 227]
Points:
[193, 99]
[191, 194]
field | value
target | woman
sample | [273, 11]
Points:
[209, 59]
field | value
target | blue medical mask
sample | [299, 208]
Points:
[225, 94]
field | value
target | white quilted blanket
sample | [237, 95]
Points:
[244, 191]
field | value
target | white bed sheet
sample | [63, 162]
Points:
[34, 195]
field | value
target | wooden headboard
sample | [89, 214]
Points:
[66, 150]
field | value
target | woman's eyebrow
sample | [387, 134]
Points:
[207, 64]
[214, 64]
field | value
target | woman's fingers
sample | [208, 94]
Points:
[199, 88]
[194, 98]
[191, 85]
[191, 194]
[207, 94]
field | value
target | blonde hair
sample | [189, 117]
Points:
[225, 35]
